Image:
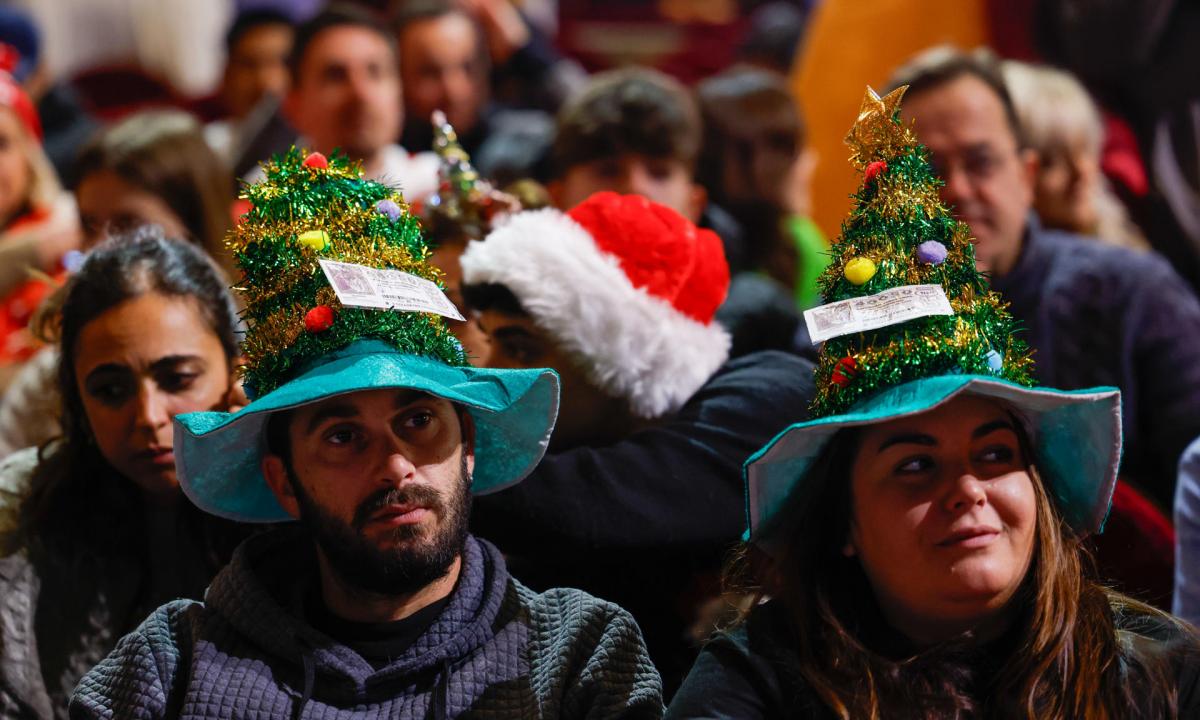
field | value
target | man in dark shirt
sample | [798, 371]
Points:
[375, 436]
[641, 491]
[1095, 314]
[452, 57]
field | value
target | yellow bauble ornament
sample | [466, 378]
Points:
[859, 270]
[318, 240]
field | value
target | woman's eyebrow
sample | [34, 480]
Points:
[907, 439]
[106, 368]
[170, 361]
[991, 427]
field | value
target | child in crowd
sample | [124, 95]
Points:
[637, 131]
[755, 165]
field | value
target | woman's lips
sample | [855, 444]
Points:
[973, 537]
[157, 456]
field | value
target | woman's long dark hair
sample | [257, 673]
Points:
[77, 503]
[1065, 659]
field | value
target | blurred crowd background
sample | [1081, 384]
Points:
[115, 113]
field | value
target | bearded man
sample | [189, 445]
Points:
[369, 429]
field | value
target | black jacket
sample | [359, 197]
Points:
[645, 522]
[743, 674]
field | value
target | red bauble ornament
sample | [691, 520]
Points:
[874, 170]
[316, 160]
[844, 371]
[319, 319]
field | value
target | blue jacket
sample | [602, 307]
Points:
[496, 650]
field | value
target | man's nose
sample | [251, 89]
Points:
[398, 466]
[958, 187]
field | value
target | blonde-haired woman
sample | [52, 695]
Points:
[38, 224]
[1061, 123]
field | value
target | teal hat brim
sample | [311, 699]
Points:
[218, 456]
[1076, 437]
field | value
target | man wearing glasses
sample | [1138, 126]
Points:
[1094, 313]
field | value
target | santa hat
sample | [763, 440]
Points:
[628, 286]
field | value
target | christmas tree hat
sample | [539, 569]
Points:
[340, 297]
[465, 203]
[910, 323]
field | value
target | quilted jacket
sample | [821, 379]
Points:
[497, 650]
[62, 611]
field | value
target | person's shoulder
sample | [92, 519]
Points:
[1086, 255]
[771, 374]
[568, 610]
[597, 643]
[746, 671]
[1150, 635]
[140, 673]
[1154, 627]
[758, 641]
[767, 361]
[575, 623]
[171, 624]
[15, 473]
[1149, 638]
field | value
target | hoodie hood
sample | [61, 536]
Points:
[257, 593]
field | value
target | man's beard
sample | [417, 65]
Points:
[411, 558]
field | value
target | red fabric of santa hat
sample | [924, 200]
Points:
[628, 286]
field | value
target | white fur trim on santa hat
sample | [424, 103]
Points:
[633, 345]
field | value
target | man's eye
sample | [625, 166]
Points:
[420, 419]
[343, 436]
[980, 165]
[520, 352]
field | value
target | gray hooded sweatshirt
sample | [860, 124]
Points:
[497, 650]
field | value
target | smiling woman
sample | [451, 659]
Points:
[99, 531]
[917, 546]
[921, 567]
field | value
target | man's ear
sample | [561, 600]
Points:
[276, 475]
[697, 201]
[467, 423]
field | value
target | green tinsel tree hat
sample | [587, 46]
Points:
[340, 297]
[465, 203]
[910, 323]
